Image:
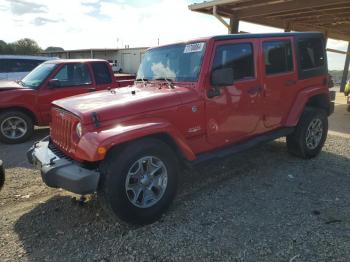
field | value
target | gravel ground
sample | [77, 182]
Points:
[260, 205]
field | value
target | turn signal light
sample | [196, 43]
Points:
[101, 150]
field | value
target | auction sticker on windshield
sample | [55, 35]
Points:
[192, 48]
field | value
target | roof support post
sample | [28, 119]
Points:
[288, 27]
[346, 70]
[234, 25]
[215, 13]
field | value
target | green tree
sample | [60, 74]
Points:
[6, 49]
[26, 46]
[3, 47]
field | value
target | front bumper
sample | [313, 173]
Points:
[60, 172]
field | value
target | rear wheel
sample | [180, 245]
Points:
[139, 182]
[15, 127]
[310, 134]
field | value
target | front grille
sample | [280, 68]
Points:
[58, 152]
[62, 127]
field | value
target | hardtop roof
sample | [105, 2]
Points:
[245, 36]
[267, 35]
[60, 61]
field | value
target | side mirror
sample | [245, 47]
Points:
[53, 83]
[222, 77]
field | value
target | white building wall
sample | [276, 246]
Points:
[131, 58]
[127, 59]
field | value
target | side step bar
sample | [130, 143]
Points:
[236, 148]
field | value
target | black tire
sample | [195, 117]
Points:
[20, 115]
[112, 192]
[296, 142]
[2, 175]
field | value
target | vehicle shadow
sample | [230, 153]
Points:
[15, 155]
[253, 192]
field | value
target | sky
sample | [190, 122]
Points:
[79, 24]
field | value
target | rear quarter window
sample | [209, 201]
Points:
[312, 57]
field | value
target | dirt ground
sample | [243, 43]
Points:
[260, 205]
[340, 121]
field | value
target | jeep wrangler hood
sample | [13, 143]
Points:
[121, 102]
[10, 85]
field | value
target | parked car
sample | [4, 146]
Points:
[2, 174]
[191, 102]
[16, 67]
[26, 103]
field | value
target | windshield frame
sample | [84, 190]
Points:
[174, 79]
[54, 67]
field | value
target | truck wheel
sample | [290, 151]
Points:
[310, 134]
[138, 183]
[15, 127]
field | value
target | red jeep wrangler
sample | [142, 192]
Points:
[191, 102]
[26, 103]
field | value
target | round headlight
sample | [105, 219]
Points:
[79, 130]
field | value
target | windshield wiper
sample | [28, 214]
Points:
[167, 80]
[20, 82]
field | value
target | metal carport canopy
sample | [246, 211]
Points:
[332, 17]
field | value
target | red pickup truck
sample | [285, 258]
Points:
[26, 103]
[191, 102]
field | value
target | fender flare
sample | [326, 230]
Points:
[300, 103]
[24, 109]
[127, 132]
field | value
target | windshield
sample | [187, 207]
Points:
[38, 75]
[181, 62]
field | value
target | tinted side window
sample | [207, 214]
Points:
[18, 65]
[278, 57]
[311, 53]
[239, 57]
[74, 75]
[3, 66]
[101, 73]
[29, 65]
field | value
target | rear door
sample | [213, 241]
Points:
[235, 113]
[279, 76]
[74, 79]
[103, 75]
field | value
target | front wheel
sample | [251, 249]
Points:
[310, 134]
[15, 127]
[139, 182]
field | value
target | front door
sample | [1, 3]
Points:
[279, 79]
[74, 79]
[234, 114]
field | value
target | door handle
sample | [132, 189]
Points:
[254, 90]
[290, 82]
[92, 89]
